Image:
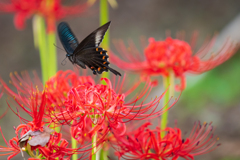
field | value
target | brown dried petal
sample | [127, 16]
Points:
[42, 138]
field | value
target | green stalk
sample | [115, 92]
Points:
[74, 145]
[104, 18]
[167, 82]
[51, 39]
[42, 46]
[94, 147]
[52, 57]
[103, 154]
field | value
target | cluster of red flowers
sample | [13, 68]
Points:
[89, 109]
[145, 143]
[50, 10]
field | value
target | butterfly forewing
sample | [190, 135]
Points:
[67, 38]
[94, 39]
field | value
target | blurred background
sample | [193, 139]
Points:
[211, 97]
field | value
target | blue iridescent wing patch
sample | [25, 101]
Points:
[67, 38]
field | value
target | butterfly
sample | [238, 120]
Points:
[87, 52]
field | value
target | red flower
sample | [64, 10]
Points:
[24, 85]
[35, 107]
[60, 84]
[50, 146]
[56, 89]
[99, 109]
[57, 148]
[12, 147]
[89, 109]
[51, 10]
[35, 135]
[172, 55]
[145, 143]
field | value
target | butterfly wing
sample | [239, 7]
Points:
[94, 39]
[87, 53]
[96, 59]
[67, 38]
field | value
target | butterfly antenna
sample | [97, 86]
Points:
[64, 62]
[58, 47]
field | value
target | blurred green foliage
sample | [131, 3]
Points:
[221, 86]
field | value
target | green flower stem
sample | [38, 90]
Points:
[103, 154]
[94, 146]
[168, 83]
[104, 18]
[172, 84]
[42, 45]
[48, 62]
[74, 145]
[52, 57]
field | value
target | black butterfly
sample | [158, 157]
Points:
[87, 53]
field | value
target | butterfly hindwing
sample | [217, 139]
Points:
[94, 39]
[96, 59]
[67, 38]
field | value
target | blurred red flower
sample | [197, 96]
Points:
[51, 10]
[145, 143]
[172, 55]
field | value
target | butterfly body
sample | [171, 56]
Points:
[87, 52]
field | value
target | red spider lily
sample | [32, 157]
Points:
[57, 148]
[56, 89]
[33, 129]
[59, 85]
[145, 143]
[34, 135]
[172, 55]
[98, 109]
[54, 147]
[35, 107]
[24, 84]
[12, 147]
[51, 10]
[88, 108]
